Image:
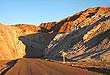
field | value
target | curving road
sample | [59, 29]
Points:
[28, 66]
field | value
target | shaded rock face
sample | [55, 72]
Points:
[10, 46]
[34, 38]
[36, 44]
[84, 37]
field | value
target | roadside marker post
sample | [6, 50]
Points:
[64, 54]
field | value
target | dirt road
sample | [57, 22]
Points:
[28, 66]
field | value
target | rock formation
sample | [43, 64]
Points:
[84, 17]
[34, 38]
[47, 27]
[10, 46]
[84, 36]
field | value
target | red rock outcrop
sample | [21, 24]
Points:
[28, 27]
[67, 24]
[47, 27]
[81, 16]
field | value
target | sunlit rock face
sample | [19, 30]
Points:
[85, 17]
[47, 27]
[27, 27]
[10, 46]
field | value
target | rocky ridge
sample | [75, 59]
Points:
[83, 18]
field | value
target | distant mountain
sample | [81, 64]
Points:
[28, 27]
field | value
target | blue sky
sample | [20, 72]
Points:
[38, 11]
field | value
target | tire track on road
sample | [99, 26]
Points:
[29, 66]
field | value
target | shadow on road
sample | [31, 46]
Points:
[10, 64]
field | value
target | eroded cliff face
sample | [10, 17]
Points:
[10, 46]
[85, 37]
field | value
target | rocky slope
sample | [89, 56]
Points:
[10, 46]
[86, 36]
[85, 17]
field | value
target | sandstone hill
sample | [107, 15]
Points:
[84, 36]
[10, 46]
